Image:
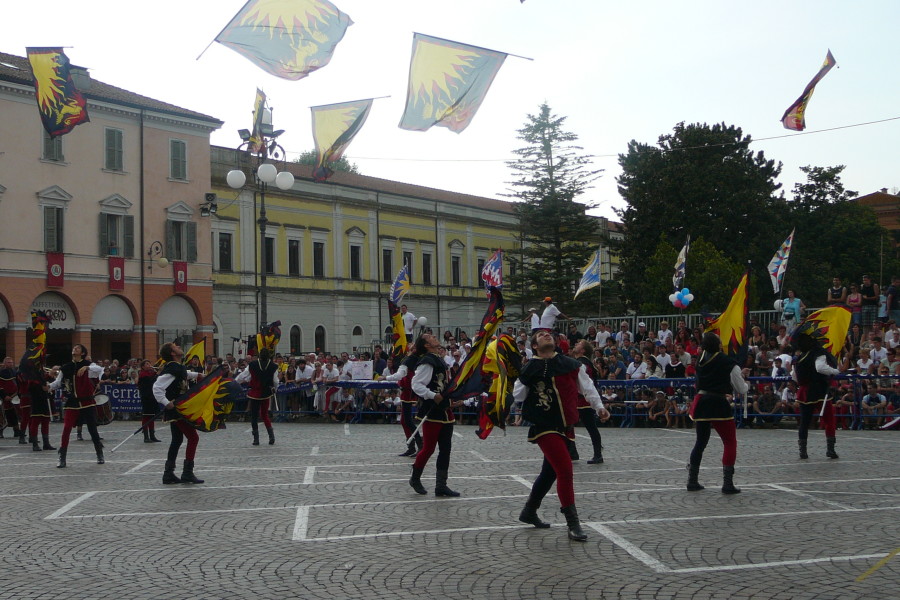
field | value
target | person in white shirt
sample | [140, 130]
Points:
[533, 318]
[665, 334]
[622, 334]
[603, 334]
[304, 374]
[550, 315]
[409, 322]
[330, 375]
[636, 369]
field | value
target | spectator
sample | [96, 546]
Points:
[854, 303]
[870, 294]
[574, 335]
[873, 406]
[603, 334]
[641, 333]
[622, 334]
[665, 335]
[550, 315]
[893, 299]
[837, 293]
[792, 311]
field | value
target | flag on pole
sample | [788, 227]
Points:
[778, 265]
[60, 104]
[468, 380]
[334, 127]
[591, 276]
[731, 325]
[492, 272]
[398, 290]
[680, 264]
[828, 326]
[206, 404]
[256, 143]
[503, 360]
[400, 287]
[448, 81]
[198, 350]
[287, 38]
[795, 116]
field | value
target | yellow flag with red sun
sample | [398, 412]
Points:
[731, 325]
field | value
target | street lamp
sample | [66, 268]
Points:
[256, 153]
[156, 249]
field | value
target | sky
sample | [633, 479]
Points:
[618, 71]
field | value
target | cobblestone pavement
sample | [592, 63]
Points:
[327, 513]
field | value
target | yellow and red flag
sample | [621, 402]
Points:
[198, 350]
[399, 342]
[503, 360]
[795, 116]
[334, 127]
[206, 404]
[447, 83]
[287, 38]
[468, 381]
[731, 325]
[257, 144]
[61, 105]
[828, 326]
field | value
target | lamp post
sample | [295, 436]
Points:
[155, 250]
[257, 152]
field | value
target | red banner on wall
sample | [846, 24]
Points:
[116, 273]
[56, 269]
[179, 268]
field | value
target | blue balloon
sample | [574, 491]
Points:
[685, 291]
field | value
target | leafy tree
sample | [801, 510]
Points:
[311, 157]
[556, 237]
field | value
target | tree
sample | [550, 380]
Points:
[311, 157]
[556, 237]
[704, 181]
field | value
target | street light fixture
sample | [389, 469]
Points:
[156, 249]
[256, 153]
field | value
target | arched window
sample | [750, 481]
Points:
[296, 340]
[356, 338]
[320, 339]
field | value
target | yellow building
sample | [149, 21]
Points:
[335, 247]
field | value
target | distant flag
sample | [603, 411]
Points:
[400, 287]
[795, 116]
[61, 105]
[207, 403]
[198, 350]
[399, 342]
[256, 143]
[447, 83]
[503, 360]
[778, 265]
[828, 326]
[731, 325]
[591, 276]
[492, 272]
[287, 38]
[468, 380]
[269, 336]
[334, 127]
[680, 264]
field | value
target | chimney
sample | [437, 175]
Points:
[884, 190]
[81, 78]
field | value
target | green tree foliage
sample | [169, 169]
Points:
[311, 157]
[700, 180]
[557, 237]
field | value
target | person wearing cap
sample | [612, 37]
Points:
[550, 315]
[622, 334]
[641, 334]
[665, 335]
[533, 318]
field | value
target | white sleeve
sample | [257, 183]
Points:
[243, 376]
[519, 391]
[159, 388]
[55, 385]
[737, 381]
[588, 389]
[823, 367]
[95, 371]
[420, 382]
[275, 380]
[193, 375]
[400, 374]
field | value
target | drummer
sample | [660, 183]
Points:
[78, 381]
[8, 387]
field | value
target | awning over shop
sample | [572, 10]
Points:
[112, 314]
[176, 313]
[56, 306]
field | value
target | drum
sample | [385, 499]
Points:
[104, 409]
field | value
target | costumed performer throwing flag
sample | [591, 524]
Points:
[172, 381]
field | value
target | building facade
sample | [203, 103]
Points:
[86, 218]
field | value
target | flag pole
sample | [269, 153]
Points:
[139, 429]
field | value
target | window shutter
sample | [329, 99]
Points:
[128, 237]
[170, 241]
[104, 234]
[191, 241]
[50, 241]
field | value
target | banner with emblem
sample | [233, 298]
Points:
[56, 269]
[179, 272]
[116, 273]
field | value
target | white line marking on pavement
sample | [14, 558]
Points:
[581, 435]
[630, 548]
[479, 456]
[346, 428]
[300, 524]
[7, 456]
[457, 434]
[314, 451]
[70, 505]
[310, 475]
[781, 563]
[249, 430]
[675, 460]
[807, 496]
[399, 533]
[135, 469]
[521, 480]
[676, 431]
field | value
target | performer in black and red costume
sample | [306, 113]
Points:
[34, 383]
[170, 383]
[8, 389]
[408, 400]
[428, 382]
[149, 408]
[548, 387]
[262, 373]
[812, 372]
[717, 376]
[586, 413]
[78, 380]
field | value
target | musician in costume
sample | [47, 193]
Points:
[262, 373]
[171, 382]
[78, 380]
[548, 387]
[34, 382]
[586, 413]
[408, 400]
[428, 382]
[149, 407]
[812, 371]
[31, 376]
[717, 376]
[8, 389]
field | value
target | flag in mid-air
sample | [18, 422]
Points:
[468, 381]
[681, 264]
[591, 276]
[502, 359]
[447, 83]
[492, 272]
[731, 325]
[207, 403]
[198, 350]
[795, 116]
[257, 144]
[828, 326]
[334, 127]
[400, 287]
[61, 105]
[398, 338]
[287, 38]
[778, 265]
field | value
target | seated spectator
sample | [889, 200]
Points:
[873, 407]
[865, 365]
[658, 410]
[767, 407]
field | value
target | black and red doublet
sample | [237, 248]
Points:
[713, 384]
[428, 410]
[813, 389]
[79, 407]
[437, 429]
[552, 401]
[262, 390]
[170, 384]
[588, 415]
[149, 407]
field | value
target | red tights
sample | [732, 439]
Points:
[726, 431]
[557, 466]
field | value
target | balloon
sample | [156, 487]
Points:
[422, 322]
[778, 305]
[686, 291]
[690, 297]
[679, 304]
[672, 298]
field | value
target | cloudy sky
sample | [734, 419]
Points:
[617, 70]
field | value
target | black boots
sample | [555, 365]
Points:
[47, 445]
[410, 450]
[187, 473]
[79, 437]
[271, 436]
[830, 453]
[693, 473]
[22, 437]
[574, 525]
[529, 514]
[153, 437]
[802, 445]
[415, 481]
[573, 450]
[728, 481]
[61, 464]
[147, 439]
[99, 448]
[255, 436]
[597, 459]
[169, 473]
[440, 487]
[35, 447]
